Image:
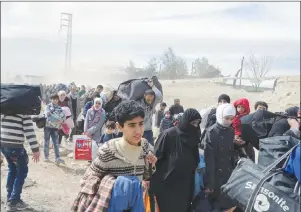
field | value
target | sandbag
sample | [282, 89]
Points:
[134, 89]
[272, 148]
[257, 190]
[20, 99]
[256, 126]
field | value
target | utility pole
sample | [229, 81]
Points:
[241, 67]
[66, 21]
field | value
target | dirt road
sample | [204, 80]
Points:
[48, 187]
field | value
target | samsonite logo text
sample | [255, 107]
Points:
[262, 204]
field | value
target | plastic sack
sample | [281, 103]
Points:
[68, 121]
[94, 149]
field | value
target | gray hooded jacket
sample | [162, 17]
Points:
[150, 109]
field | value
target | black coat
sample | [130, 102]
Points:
[173, 181]
[279, 128]
[220, 161]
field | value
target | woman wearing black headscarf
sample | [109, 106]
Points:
[178, 157]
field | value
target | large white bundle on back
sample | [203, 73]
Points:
[204, 114]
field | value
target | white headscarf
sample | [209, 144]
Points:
[62, 95]
[224, 110]
[98, 100]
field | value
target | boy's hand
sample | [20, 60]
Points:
[151, 158]
[238, 140]
[145, 185]
[36, 157]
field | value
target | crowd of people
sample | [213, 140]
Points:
[133, 153]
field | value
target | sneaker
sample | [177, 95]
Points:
[13, 206]
[59, 160]
[46, 160]
[21, 205]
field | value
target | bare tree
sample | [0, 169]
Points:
[258, 68]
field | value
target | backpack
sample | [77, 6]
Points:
[20, 99]
[134, 89]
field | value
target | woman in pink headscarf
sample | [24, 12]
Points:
[94, 121]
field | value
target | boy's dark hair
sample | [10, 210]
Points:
[127, 111]
[95, 95]
[149, 92]
[54, 96]
[223, 97]
[99, 86]
[111, 125]
[262, 103]
[163, 104]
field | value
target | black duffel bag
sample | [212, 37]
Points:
[272, 148]
[256, 126]
[20, 99]
[134, 89]
[257, 190]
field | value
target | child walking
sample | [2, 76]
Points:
[55, 117]
[219, 159]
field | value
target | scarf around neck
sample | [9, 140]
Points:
[73, 96]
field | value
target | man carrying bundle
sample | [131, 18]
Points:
[14, 130]
[18, 102]
[152, 97]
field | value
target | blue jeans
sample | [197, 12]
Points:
[148, 135]
[17, 160]
[54, 137]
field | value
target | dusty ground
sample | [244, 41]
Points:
[53, 188]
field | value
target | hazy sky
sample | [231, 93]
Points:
[110, 33]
